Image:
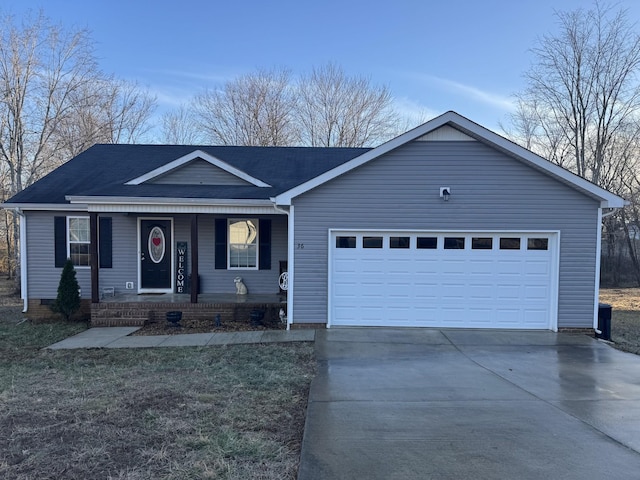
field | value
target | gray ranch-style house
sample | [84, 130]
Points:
[446, 225]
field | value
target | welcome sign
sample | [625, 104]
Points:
[181, 268]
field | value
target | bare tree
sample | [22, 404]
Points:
[54, 102]
[340, 111]
[254, 109]
[180, 127]
[325, 108]
[104, 110]
[583, 89]
[581, 110]
[41, 66]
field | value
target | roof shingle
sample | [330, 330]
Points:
[103, 170]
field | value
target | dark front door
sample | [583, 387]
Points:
[155, 254]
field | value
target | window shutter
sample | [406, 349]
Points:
[105, 243]
[221, 244]
[264, 246]
[60, 240]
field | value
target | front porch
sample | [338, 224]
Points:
[137, 310]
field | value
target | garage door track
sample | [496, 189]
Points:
[471, 404]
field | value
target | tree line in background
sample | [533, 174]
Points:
[325, 108]
[54, 103]
[580, 110]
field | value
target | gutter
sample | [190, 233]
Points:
[23, 258]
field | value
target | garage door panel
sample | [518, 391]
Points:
[533, 292]
[481, 291]
[506, 292]
[537, 267]
[534, 318]
[443, 287]
[508, 267]
[480, 319]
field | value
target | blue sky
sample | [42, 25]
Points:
[464, 55]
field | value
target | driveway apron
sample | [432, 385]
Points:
[470, 404]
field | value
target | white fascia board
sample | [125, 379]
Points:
[176, 205]
[165, 201]
[192, 156]
[607, 199]
[185, 209]
[44, 206]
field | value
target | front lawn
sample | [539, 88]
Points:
[625, 318]
[173, 413]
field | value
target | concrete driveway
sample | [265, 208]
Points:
[470, 404]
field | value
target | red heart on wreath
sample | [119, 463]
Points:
[156, 241]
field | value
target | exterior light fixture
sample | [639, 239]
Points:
[445, 193]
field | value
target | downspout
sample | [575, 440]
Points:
[289, 214]
[598, 258]
[23, 259]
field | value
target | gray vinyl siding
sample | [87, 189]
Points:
[124, 239]
[489, 191]
[199, 172]
[257, 281]
[43, 277]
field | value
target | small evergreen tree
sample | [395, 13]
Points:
[68, 299]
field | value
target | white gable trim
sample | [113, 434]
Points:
[192, 156]
[466, 126]
[445, 133]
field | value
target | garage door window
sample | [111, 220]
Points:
[424, 243]
[508, 243]
[399, 242]
[538, 244]
[482, 243]
[454, 243]
[345, 242]
[371, 242]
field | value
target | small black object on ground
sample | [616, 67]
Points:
[174, 318]
[256, 317]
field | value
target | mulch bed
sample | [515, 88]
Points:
[206, 326]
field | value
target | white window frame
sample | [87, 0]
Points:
[69, 242]
[256, 223]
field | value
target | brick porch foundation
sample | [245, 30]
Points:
[116, 314]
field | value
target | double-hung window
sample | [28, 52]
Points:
[243, 243]
[78, 240]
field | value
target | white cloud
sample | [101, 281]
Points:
[200, 78]
[495, 100]
[413, 113]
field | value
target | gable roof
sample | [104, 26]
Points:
[126, 174]
[470, 129]
[171, 166]
[107, 170]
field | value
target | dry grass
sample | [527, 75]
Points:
[216, 412]
[625, 319]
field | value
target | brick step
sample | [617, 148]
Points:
[117, 322]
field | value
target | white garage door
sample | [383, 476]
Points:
[443, 279]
